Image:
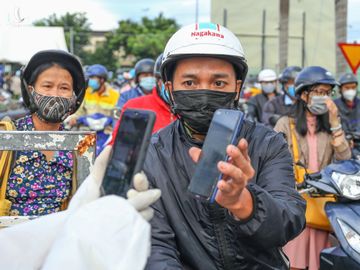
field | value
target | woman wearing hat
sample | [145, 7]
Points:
[41, 182]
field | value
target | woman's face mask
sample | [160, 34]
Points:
[53, 109]
[317, 105]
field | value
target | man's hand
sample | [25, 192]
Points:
[232, 192]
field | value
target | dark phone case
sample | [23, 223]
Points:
[198, 188]
[142, 152]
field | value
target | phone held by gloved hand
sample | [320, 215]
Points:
[129, 150]
[224, 129]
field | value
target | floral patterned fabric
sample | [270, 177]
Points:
[37, 186]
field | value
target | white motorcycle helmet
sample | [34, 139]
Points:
[203, 39]
[267, 75]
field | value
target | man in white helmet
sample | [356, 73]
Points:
[257, 209]
[268, 81]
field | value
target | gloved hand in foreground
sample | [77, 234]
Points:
[140, 197]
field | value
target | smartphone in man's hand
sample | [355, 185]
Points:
[224, 129]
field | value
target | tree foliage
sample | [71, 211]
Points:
[75, 24]
[144, 39]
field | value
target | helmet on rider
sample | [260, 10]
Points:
[289, 73]
[267, 75]
[97, 70]
[267, 78]
[160, 87]
[287, 78]
[347, 78]
[157, 66]
[144, 66]
[313, 75]
[207, 40]
[42, 61]
[348, 86]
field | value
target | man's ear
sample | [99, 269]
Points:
[238, 89]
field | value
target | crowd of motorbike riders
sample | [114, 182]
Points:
[322, 112]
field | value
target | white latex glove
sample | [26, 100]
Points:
[142, 197]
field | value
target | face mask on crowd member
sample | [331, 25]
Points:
[291, 90]
[147, 83]
[53, 95]
[197, 95]
[164, 94]
[316, 99]
[350, 94]
[268, 87]
[349, 91]
[94, 83]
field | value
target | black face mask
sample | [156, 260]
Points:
[196, 107]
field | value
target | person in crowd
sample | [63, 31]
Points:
[257, 208]
[320, 139]
[348, 103]
[282, 104]
[42, 182]
[100, 97]
[144, 80]
[157, 102]
[268, 81]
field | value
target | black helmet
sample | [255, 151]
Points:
[145, 65]
[157, 66]
[289, 73]
[313, 75]
[66, 60]
[347, 78]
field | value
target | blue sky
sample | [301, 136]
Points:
[104, 14]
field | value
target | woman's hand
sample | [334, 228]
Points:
[232, 192]
[333, 113]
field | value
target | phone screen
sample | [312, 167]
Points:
[224, 130]
[133, 130]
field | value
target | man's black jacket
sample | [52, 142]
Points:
[190, 234]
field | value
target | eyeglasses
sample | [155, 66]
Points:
[320, 91]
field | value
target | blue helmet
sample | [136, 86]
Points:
[97, 70]
[311, 76]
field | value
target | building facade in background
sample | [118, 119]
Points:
[311, 31]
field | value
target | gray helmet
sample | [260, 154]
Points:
[347, 78]
[145, 65]
[289, 73]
